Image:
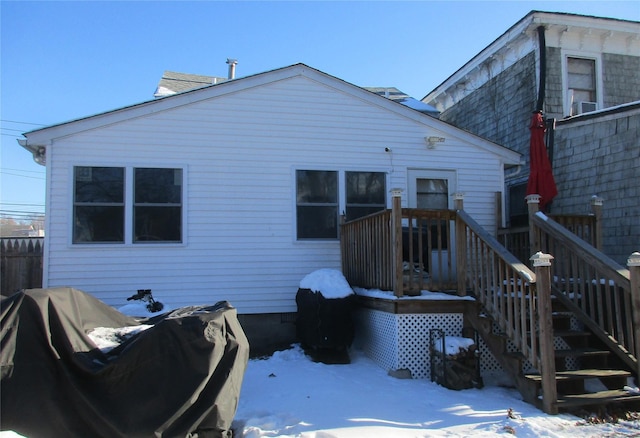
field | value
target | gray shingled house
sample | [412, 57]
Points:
[583, 72]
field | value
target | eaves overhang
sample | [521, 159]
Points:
[39, 152]
[561, 29]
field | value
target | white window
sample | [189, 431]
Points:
[322, 194]
[100, 207]
[98, 204]
[582, 84]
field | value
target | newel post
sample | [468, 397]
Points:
[461, 250]
[634, 272]
[396, 238]
[596, 207]
[542, 266]
[533, 203]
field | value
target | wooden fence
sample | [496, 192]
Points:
[20, 264]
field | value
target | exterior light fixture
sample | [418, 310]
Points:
[432, 140]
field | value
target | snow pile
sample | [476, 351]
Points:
[424, 295]
[108, 338]
[454, 345]
[329, 282]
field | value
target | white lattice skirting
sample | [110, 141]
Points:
[401, 341]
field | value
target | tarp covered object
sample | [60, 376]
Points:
[181, 377]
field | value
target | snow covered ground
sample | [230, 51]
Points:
[289, 395]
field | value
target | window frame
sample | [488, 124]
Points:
[598, 80]
[75, 204]
[342, 196]
[327, 204]
[356, 205]
[129, 207]
[168, 205]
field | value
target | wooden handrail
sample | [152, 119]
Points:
[592, 285]
[504, 285]
[584, 226]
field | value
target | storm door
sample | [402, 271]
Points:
[432, 190]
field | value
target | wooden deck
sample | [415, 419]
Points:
[406, 251]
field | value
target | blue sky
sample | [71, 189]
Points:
[65, 60]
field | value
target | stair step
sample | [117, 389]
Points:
[581, 352]
[583, 374]
[568, 333]
[596, 398]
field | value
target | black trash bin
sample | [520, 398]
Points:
[324, 326]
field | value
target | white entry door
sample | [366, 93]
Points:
[433, 189]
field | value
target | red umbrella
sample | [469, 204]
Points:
[541, 180]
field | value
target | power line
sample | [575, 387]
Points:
[21, 213]
[23, 123]
[11, 129]
[21, 205]
[22, 170]
[21, 176]
[22, 216]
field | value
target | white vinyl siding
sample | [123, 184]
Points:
[241, 150]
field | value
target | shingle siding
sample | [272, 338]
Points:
[602, 157]
[621, 77]
[598, 156]
[553, 104]
[500, 110]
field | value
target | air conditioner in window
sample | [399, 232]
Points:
[587, 107]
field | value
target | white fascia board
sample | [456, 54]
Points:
[514, 32]
[630, 31]
[587, 22]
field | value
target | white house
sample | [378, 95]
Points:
[234, 191]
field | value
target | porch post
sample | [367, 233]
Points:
[533, 203]
[634, 271]
[596, 207]
[461, 250]
[396, 238]
[542, 266]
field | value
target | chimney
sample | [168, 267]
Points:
[232, 67]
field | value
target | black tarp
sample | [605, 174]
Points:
[181, 377]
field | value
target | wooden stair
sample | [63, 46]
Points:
[588, 375]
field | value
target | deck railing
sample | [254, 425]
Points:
[422, 257]
[592, 285]
[367, 251]
[586, 226]
[517, 299]
[504, 285]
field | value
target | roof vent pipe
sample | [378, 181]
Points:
[232, 67]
